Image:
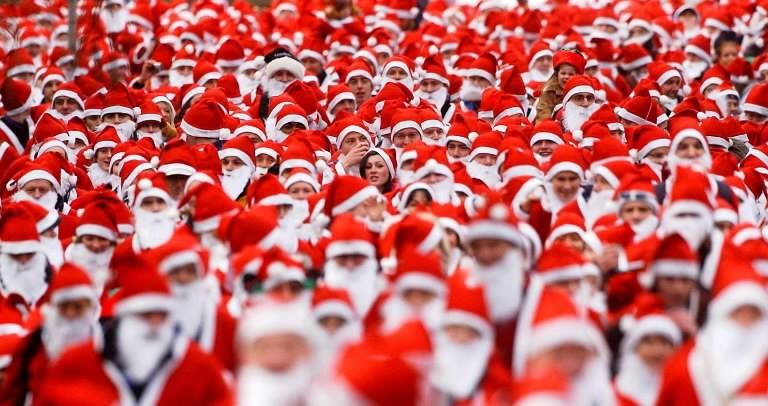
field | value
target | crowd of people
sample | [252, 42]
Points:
[390, 203]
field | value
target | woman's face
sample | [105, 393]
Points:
[300, 190]
[418, 198]
[690, 148]
[376, 172]
[727, 53]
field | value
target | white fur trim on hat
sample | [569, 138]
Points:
[672, 73]
[179, 259]
[627, 115]
[279, 199]
[20, 69]
[24, 107]
[115, 64]
[562, 274]
[236, 153]
[148, 302]
[74, 293]
[735, 295]
[637, 63]
[659, 143]
[354, 247]
[292, 118]
[578, 89]
[546, 136]
[349, 130]
[413, 279]
[20, 247]
[68, 93]
[481, 73]
[496, 230]
[432, 166]
[755, 108]
[97, 230]
[703, 54]
[407, 124]
[483, 150]
[177, 169]
[297, 163]
[654, 324]
[285, 63]
[339, 98]
[564, 167]
[38, 174]
[118, 109]
[198, 132]
[354, 200]
[216, 75]
[674, 268]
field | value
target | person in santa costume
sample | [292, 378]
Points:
[726, 360]
[141, 357]
[16, 126]
[650, 340]
[467, 368]
[282, 68]
[25, 271]
[269, 377]
[578, 102]
[155, 216]
[182, 260]
[566, 63]
[96, 236]
[69, 319]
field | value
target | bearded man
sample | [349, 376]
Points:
[578, 102]
[94, 242]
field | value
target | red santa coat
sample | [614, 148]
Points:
[25, 373]
[685, 382]
[82, 377]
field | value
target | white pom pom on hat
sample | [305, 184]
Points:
[144, 184]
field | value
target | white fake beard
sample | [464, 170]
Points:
[176, 79]
[541, 159]
[296, 215]
[733, 352]
[191, 302]
[574, 115]
[470, 92]
[539, 76]
[598, 205]
[48, 200]
[275, 87]
[66, 118]
[154, 229]
[219, 253]
[247, 84]
[53, 250]
[114, 22]
[551, 202]
[97, 175]
[487, 174]
[439, 142]
[361, 283]
[156, 136]
[592, 386]
[437, 98]
[645, 228]
[464, 159]
[667, 102]
[124, 130]
[405, 176]
[443, 190]
[503, 283]
[234, 181]
[458, 368]
[140, 346]
[407, 82]
[692, 70]
[59, 333]
[396, 311]
[693, 229]
[27, 280]
[637, 381]
[97, 265]
[257, 386]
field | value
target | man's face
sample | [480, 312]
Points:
[277, 353]
[118, 74]
[265, 161]
[434, 133]
[115, 118]
[103, 155]
[344, 105]
[654, 350]
[582, 99]
[396, 73]
[732, 106]
[489, 251]
[634, 212]
[74, 309]
[230, 163]
[153, 204]
[746, 315]
[430, 85]
[479, 81]
[485, 159]
[290, 127]
[300, 190]
[352, 141]
[349, 261]
[418, 298]
[312, 65]
[658, 155]
[37, 188]
[92, 122]
[175, 185]
[671, 87]
[544, 148]
[405, 137]
[95, 244]
[457, 150]
[690, 148]
[674, 291]
[361, 87]
[283, 76]
[574, 241]
[566, 185]
[183, 275]
[570, 358]
[65, 105]
[50, 88]
[543, 64]
[755, 117]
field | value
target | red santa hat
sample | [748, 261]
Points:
[268, 191]
[417, 269]
[673, 258]
[118, 100]
[350, 125]
[403, 62]
[431, 160]
[142, 290]
[269, 317]
[549, 318]
[16, 96]
[700, 46]
[71, 283]
[72, 91]
[205, 119]
[149, 111]
[757, 100]
[560, 262]
[661, 72]
[485, 67]
[349, 236]
[211, 205]
[495, 220]
[634, 56]
[575, 85]
[646, 138]
[547, 130]
[736, 284]
[358, 69]
[337, 94]
[692, 191]
[570, 58]
[567, 223]
[18, 231]
[97, 219]
[177, 158]
[345, 193]
[205, 71]
[565, 158]
[486, 143]
[250, 227]
[642, 110]
[44, 219]
[149, 184]
[253, 126]
[328, 301]
[240, 147]
[30, 171]
[613, 172]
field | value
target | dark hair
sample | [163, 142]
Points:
[386, 187]
[726, 37]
